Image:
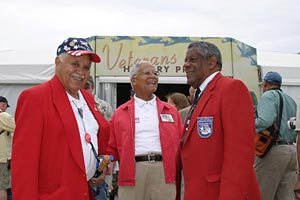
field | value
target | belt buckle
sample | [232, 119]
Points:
[151, 158]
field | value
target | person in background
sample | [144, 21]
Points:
[276, 172]
[145, 134]
[59, 131]
[3, 107]
[185, 111]
[106, 111]
[297, 129]
[3, 104]
[217, 151]
[178, 100]
[7, 126]
[104, 107]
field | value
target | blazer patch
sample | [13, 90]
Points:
[204, 126]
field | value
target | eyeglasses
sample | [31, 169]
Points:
[149, 73]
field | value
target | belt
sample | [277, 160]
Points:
[151, 158]
[283, 142]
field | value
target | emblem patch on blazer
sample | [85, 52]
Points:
[204, 126]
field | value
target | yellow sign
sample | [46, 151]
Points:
[119, 53]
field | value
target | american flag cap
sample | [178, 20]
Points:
[77, 47]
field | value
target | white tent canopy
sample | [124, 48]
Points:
[287, 65]
[24, 67]
[22, 70]
[25, 74]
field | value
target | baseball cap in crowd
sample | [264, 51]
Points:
[273, 77]
[77, 47]
[3, 99]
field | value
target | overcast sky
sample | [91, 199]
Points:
[38, 25]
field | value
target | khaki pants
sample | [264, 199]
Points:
[276, 173]
[149, 185]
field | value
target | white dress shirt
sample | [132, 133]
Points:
[147, 137]
[86, 124]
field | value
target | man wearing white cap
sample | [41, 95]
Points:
[7, 126]
[59, 131]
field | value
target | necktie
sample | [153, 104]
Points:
[196, 99]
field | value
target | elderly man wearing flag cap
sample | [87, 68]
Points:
[52, 157]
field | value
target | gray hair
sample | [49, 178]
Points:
[207, 50]
[136, 67]
[62, 56]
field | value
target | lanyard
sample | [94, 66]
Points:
[87, 136]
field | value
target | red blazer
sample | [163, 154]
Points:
[47, 158]
[218, 164]
[121, 142]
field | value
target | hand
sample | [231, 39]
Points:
[94, 182]
[297, 190]
[109, 169]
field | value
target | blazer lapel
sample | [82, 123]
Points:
[64, 109]
[208, 92]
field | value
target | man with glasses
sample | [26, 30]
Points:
[145, 134]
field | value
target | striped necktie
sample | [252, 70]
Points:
[196, 98]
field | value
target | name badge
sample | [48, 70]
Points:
[166, 118]
[205, 126]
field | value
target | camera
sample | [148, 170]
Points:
[291, 123]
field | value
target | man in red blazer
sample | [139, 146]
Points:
[217, 150]
[57, 123]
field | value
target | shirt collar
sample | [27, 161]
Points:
[79, 102]
[140, 102]
[207, 81]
